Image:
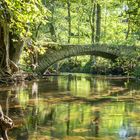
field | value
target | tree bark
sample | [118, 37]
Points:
[15, 49]
[105, 21]
[98, 23]
[4, 38]
[2, 50]
[6, 43]
[69, 20]
[93, 22]
[4, 47]
[9, 52]
[51, 25]
[128, 28]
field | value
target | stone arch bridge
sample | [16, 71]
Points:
[66, 51]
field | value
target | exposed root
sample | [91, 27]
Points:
[5, 124]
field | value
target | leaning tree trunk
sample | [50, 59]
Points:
[6, 42]
[9, 51]
[4, 39]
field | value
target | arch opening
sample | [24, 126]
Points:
[48, 60]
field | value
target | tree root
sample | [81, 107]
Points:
[13, 66]
[5, 124]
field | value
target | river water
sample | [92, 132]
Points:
[73, 107]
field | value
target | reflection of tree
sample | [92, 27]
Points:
[12, 101]
[68, 119]
[35, 107]
[51, 116]
[68, 108]
[34, 117]
[69, 82]
[23, 135]
[35, 89]
[95, 123]
[5, 124]
[9, 101]
[49, 119]
[82, 114]
[75, 79]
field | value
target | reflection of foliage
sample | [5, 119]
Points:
[80, 118]
[60, 119]
[23, 98]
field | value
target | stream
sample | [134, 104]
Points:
[73, 107]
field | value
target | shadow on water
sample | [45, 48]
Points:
[59, 108]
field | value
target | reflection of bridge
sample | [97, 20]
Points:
[106, 51]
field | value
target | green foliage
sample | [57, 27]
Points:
[46, 21]
[71, 65]
[136, 72]
[24, 15]
[87, 67]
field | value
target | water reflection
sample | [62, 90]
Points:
[95, 122]
[39, 113]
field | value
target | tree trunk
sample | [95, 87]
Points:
[105, 21]
[8, 52]
[93, 9]
[69, 21]
[6, 42]
[93, 22]
[53, 32]
[15, 49]
[4, 47]
[98, 23]
[128, 27]
[4, 39]
[51, 25]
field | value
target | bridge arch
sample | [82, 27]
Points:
[67, 51]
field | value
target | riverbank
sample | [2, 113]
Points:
[29, 76]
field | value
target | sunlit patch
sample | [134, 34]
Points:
[80, 130]
[73, 138]
[102, 138]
